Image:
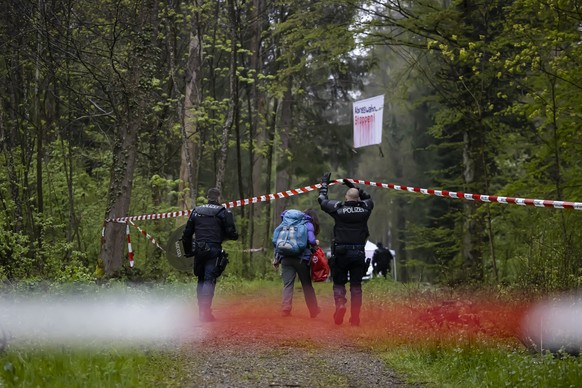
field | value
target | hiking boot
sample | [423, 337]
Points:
[338, 316]
[285, 313]
[314, 313]
[355, 321]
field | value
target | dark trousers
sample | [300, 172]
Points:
[206, 271]
[380, 269]
[293, 267]
[349, 266]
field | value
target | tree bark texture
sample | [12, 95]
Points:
[191, 149]
[132, 108]
[473, 224]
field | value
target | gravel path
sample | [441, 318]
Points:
[251, 345]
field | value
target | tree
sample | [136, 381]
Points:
[127, 50]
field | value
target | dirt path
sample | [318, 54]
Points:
[251, 345]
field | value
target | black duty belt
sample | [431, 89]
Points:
[350, 247]
[213, 243]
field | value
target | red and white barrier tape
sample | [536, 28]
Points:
[271, 197]
[148, 236]
[306, 189]
[478, 197]
[158, 216]
[129, 250]
[438, 193]
[240, 202]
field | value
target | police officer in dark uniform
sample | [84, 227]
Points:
[211, 224]
[350, 235]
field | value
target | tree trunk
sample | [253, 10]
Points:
[190, 156]
[39, 140]
[221, 168]
[473, 220]
[119, 196]
[125, 151]
[283, 179]
[259, 231]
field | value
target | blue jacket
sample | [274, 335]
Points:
[311, 240]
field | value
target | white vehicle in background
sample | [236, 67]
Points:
[369, 250]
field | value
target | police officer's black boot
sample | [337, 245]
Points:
[338, 316]
[206, 316]
[339, 296]
[356, 304]
[204, 311]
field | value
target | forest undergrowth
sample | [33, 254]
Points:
[410, 335]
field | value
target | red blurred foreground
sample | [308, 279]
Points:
[405, 320]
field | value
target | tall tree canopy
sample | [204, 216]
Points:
[114, 108]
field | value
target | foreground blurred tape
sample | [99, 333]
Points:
[95, 320]
[554, 325]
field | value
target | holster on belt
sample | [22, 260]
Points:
[221, 263]
[340, 250]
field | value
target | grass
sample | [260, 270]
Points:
[406, 328]
[39, 365]
[483, 366]
[52, 367]
[446, 338]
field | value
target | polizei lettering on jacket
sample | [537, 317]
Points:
[350, 209]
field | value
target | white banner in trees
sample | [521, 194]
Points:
[368, 121]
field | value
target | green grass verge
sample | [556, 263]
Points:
[52, 367]
[483, 366]
[37, 365]
[457, 359]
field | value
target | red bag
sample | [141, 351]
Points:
[319, 266]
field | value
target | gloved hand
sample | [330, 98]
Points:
[325, 179]
[348, 183]
[363, 194]
[324, 182]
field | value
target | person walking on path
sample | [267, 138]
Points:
[381, 260]
[293, 266]
[210, 224]
[350, 234]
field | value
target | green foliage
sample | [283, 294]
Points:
[452, 356]
[482, 97]
[531, 252]
[83, 368]
[495, 76]
[483, 365]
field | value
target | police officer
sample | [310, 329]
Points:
[350, 235]
[211, 223]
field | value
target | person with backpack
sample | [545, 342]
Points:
[294, 239]
[381, 260]
[350, 234]
[210, 224]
